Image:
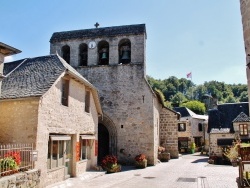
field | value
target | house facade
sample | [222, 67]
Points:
[46, 102]
[191, 128]
[113, 60]
[227, 123]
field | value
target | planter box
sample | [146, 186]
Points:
[141, 164]
[114, 169]
[164, 157]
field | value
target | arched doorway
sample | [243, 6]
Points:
[103, 142]
[107, 137]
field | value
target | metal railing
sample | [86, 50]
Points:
[16, 158]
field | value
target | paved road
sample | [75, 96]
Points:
[189, 171]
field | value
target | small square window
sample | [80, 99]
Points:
[181, 127]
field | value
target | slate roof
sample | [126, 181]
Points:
[99, 32]
[185, 112]
[32, 77]
[224, 116]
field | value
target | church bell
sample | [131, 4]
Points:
[125, 53]
[104, 53]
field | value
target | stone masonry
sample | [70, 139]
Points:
[131, 108]
[245, 13]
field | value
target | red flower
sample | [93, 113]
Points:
[14, 155]
[140, 157]
[109, 161]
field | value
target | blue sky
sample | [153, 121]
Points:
[202, 36]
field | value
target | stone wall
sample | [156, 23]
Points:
[127, 99]
[245, 13]
[28, 179]
[169, 132]
[213, 137]
[19, 120]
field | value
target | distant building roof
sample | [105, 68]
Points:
[185, 112]
[99, 32]
[224, 116]
[32, 77]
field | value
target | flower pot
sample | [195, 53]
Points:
[192, 150]
[113, 169]
[234, 163]
[141, 164]
[164, 157]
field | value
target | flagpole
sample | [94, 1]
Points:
[189, 75]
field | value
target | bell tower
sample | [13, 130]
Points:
[101, 46]
[115, 64]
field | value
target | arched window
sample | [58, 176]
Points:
[103, 50]
[66, 53]
[124, 51]
[83, 55]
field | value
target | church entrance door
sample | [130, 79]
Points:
[103, 142]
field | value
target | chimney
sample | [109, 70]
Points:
[5, 50]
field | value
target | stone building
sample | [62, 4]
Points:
[46, 102]
[225, 124]
[191, 128]
[113, 59]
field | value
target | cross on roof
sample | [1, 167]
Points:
[96, 25]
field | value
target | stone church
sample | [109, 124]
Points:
[134, 118]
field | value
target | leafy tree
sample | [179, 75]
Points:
[178, 90]
[196, 106]
[178, 99]
[243, 96]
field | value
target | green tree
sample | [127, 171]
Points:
[243, 96]
[196, 106]
[178, 99]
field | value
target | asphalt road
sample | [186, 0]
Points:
[189, 171]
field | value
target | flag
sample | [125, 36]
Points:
[189, 75]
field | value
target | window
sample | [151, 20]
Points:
[181, 127]
[243, 128]
[87, 142]
[87, 102]
[58, 149]
[66, 53]
[200, 127]
[65, 92]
